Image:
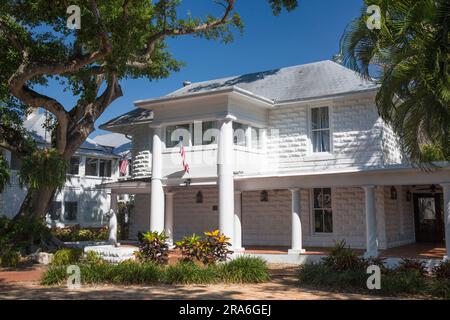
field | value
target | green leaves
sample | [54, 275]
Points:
[411, 55]
[4, 173]
[153, 247]
[44, 168]
[278, 5]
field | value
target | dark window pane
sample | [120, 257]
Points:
[328, 221]
[70, 211]
[321, 141]
[326, 197]
[315, 118]
[105, 168]
[318, 198]
[239, 133]
[324, 118]
[318, 220]
[74, 165]
[91, 167]
[55, 211]
[209, 130]
[175, 134]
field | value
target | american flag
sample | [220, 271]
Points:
[123, 167]
[183, 157]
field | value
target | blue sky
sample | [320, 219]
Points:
[310, 33]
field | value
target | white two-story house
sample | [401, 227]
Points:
[295, 157]
[80, 202]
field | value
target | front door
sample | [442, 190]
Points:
[429, 218]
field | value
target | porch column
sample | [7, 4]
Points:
[371, 223]
[296, 224]
[113, 209]
[446, 190]
[168, 223]
[157, 192]
[237, 245]
[225, 176]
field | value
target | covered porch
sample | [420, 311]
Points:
[374, 211]
[411, 251]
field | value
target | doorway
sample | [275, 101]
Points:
[429, 218]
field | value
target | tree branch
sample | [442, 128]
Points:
[185, 31]
[14, 141]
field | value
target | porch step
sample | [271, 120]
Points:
[113, 254]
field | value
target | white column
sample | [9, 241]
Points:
[296, 224]
[113, 220]
[157, 192]
[371, 222]
[446, 190]
[225, 176]
[237, 245]
[168, 223]
[248, 137]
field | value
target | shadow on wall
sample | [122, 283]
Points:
[83, 207]
[13, 196]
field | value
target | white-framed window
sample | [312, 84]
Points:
[206, 133]
[178, 133]
[239, 132]
[70, 211]
[320, 130]
[74, 167]
[322, 211]
[98, 167]
[55, 211]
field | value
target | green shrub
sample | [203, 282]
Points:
[76, 233]
[432, 153]
[409, 281]
[153, 247]
[23, 234]
[190, 273]
[321, 275]
[123, 273]
[210, 249]
[244, 270]
[9, 258]
[66, 256]
[407, 265]
[241, 270]
[190, 247]
[215, 247]
[342, 258]
[92, 257]
[376, 261]
[55, 275]
[442, 270]
[439, 288]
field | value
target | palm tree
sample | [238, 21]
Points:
[410, 58]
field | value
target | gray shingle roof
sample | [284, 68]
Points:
[135, 116]
[302, 82]
[308, 81]
[35, 126]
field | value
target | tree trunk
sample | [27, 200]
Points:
[36, 203]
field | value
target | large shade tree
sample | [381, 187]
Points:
[118, 39]
[410, 57]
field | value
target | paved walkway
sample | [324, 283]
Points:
[284, 285]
